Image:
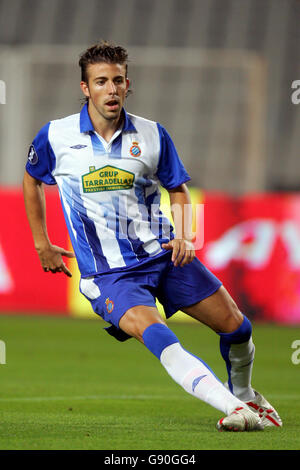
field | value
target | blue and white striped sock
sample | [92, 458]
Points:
[190, 372]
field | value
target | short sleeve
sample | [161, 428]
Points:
[41, 158]
[170, 172]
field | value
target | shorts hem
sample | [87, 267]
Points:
[203, 296]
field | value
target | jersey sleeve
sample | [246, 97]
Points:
[170, 172]
[41, 158]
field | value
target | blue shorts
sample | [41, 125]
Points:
[112, 294]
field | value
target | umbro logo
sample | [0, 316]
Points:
[78, 147]
[197, 380]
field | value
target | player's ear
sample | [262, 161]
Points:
[127, 86]
[85, 89]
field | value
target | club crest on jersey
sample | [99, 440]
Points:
[135, 150]
[107, 178]
[109, 305]
[32, 156]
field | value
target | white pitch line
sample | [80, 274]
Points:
[90, 397]
[127, 397]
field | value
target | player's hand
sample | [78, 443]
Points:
[51, 259]
[183, 251]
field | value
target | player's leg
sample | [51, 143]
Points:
[196, 291]
[137, 319]
[221, 313]
[146, 325]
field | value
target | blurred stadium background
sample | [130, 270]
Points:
[218, 74]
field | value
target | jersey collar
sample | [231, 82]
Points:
[86, 124]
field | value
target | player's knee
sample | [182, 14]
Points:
[137, 319]
[232, 319]
[240, 335]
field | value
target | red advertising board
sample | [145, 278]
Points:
[252, 243]
[24, 287]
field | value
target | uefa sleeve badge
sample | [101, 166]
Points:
[32, 156]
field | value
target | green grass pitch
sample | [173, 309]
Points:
[67, 384]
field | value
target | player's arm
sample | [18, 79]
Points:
[183, 251]
[35, 205]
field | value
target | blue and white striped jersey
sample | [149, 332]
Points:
[109, 190]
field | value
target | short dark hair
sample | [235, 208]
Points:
[103, 51]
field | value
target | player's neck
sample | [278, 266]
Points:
[104, 127]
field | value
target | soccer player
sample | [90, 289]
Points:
[108, 165]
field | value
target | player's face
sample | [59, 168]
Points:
[106, 89]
